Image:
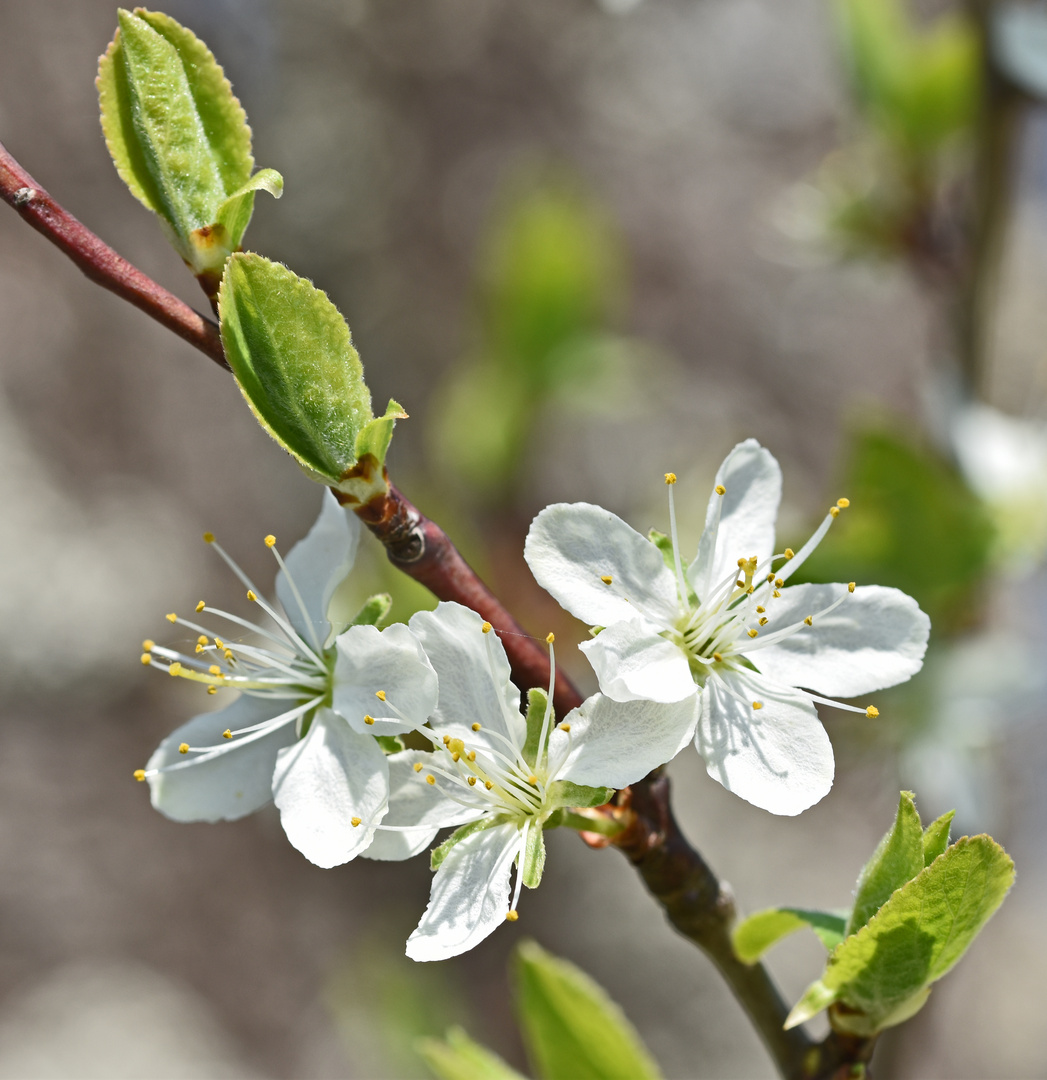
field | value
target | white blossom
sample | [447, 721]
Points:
[725, 634]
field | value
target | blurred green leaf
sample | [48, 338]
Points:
[573, 1030]
[882, 974]
[898, 858]
[753, 936]
[913, 523]
[179, 137]
[293, 356]
[459, 1058]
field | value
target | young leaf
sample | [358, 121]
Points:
[883, 972]
[459, 1058]
[293, 357]
[178, 136]
[897, 859]
[936, 837]
[755, 935]
[572, 1029]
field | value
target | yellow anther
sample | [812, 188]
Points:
[486, 628]
[417, 766]
[251, 596]
[488, 785]
[739, 582]
[565, 726]
[456, 746]
[199, 648]
[809, 621]
[380, 694]
[778, 582]
[776, 594]
[456, 756]
[270, 540]
[148, 644]
[753, 633]
[172, 617]
[512, 915]
[202, 639]
[670, 478]
[471, 756]
[146, 658]
[183, 748]
[872, 712]
[139, 775]
[843, 503]
[718, 657]
[447, 740]
[212, 689]
[354, 821]
[763, 620]
[214, 669]
[850, 586]
[835, 511]
[741, 562]
[219, 643]
[472, 781]
[789, 553]
[175, 669]
[532, 780]
[228, 654]
[368, 719]
[757, 704]
[760, 609]
[430, 779]
[550, 638]
[770, 578]
[607, 579]
[227, 734]
[208, 537]
[201, 605]
[720, 489]
[476, 727]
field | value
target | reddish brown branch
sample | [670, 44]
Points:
[100, 263]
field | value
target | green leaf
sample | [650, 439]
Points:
[755, 935]
[573, 1030]
[566, 793]
[897, 859]
[459, 1058]
[376, 434]
[293, 356]
[936, 837]
[537, 705]
[533, 857]
[374, 611]
[439, 853]
[881, 973]
[390, 744]
[178, 136]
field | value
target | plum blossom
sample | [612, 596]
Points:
[302, 729]
[723, 633]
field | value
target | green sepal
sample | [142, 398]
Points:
[936, 837]
[566, 793]
[367, 477]
[665, 546]
[537, 704]
[898, 858]
[571, 1026]
[882, 973]
[439, 853]
[293, 356]
[755, 935]
[375, 610]
[390, 744]
[179, 137]
[533, 857]
[457, 1057]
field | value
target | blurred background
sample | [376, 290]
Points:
[584, 243]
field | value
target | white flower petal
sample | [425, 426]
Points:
[475, 684]
[571, 547]
[391, 661]
[875, 638]
[777, 757]
[470, 895]
[747, 515]
[322, 782]
[235, 780]
[612, 744]
[318, 564]
[413, 802]
[632, 661]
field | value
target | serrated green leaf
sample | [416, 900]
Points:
[572, 1029]
[376, 608]
[917, 936]
[566, 793]
[755, 935]
[533, 857]
[293, 356]
[537, 706]
[897, 859]
[439, 853]
[178, 136]
[936, 837]
[459, 1058]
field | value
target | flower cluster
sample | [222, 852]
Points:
[719, 651]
